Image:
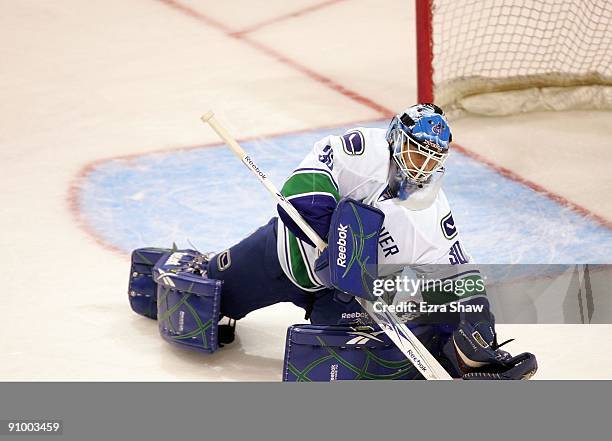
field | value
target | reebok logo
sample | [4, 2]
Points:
[341, 242]
[364, 337]
[417, 361]
[333, 372]
[254, 167]
[181, 324]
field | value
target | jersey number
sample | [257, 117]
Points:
[456, 255]
[327, 157]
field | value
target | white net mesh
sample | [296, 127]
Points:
[525, 55]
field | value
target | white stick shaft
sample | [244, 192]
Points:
[397, 331]
[263, 178]
[406, 341]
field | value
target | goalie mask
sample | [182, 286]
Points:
[419, 140]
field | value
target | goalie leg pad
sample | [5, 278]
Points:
[330, 353]
[142, 289]
[188, 302]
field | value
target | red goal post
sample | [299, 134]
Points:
[500, 57]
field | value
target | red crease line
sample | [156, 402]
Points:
[74, 203]
[536, 187]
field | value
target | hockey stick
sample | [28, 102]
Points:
[397, 331]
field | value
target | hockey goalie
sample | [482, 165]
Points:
[376, 197]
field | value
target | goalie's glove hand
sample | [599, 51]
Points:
[474, 352]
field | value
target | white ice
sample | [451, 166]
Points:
[86, 81]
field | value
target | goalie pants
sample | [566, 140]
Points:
[253, 279]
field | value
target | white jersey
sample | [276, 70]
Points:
[419, 237]
[358, 165]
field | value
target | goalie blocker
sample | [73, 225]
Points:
[350, 262]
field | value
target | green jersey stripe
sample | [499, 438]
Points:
[310, 182]
[298, 266]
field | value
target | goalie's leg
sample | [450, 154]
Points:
[252, 276]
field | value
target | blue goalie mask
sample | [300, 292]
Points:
[419, 139]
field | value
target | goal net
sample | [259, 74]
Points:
[500, 57]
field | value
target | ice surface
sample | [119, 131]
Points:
[85, 82]
[207, 198]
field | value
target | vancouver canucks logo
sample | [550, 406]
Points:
[437, 129]
[448, 226]
[224, 260]
[353, 143]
